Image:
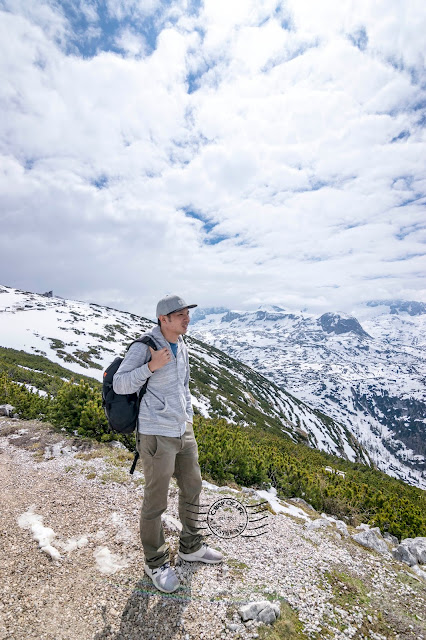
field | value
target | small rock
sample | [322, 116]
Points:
[263, 611]
[342, 528]
[267, 616]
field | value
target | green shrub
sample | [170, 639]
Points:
[28, 404]
[79, 406]
[248, 456]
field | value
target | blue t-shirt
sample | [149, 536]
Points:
[173, 346]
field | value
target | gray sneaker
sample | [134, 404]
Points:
[164, 577]
[204, 554]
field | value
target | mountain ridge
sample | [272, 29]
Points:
[86, 337]
[368, 375]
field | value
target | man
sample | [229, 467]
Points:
[165, 440]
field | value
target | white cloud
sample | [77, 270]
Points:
[299, 146]
[131, 42]
[120, 9]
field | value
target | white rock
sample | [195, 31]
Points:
[390, 538]
[369, 539]
[403, 554]
[417, 547]
[342, 528]
[320, 523]
[419, 572]
[267, 615]
[262, 611]
[6, 410]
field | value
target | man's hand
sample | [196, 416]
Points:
[158, 358]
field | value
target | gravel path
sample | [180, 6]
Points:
[97, 589]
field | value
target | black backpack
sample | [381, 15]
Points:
[122, 410]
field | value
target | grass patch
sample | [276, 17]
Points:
[139, 482]
[8, 429]
[37, 449]
[236, 568]
[90, 455]
[115, 475]
[118, 457]
[347, 589]
[287, 627]
[350, 592]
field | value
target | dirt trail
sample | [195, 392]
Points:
[71, 488]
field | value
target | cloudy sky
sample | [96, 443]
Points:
[237, 152]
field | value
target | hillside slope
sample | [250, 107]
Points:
[86, 337]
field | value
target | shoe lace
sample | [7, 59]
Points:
[165, 566]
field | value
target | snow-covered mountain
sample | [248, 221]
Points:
[370, 376]
[85, 338]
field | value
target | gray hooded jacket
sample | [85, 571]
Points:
[166, 406]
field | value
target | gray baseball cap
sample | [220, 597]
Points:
[172, 303]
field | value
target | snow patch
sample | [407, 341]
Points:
[271, 496]
[107, 562]
[41, 534]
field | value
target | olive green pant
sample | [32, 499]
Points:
[163, 457]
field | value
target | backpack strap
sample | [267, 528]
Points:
[150, 342]
[146, 340]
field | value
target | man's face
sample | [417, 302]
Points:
[177, 322]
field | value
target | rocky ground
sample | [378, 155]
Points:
[89, 583]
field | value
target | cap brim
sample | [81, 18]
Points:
[187, 306]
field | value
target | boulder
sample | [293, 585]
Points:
[390, 538]
[6, 410]
[403, 554]
[262, 611]
[416, 547]
[369, 538]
